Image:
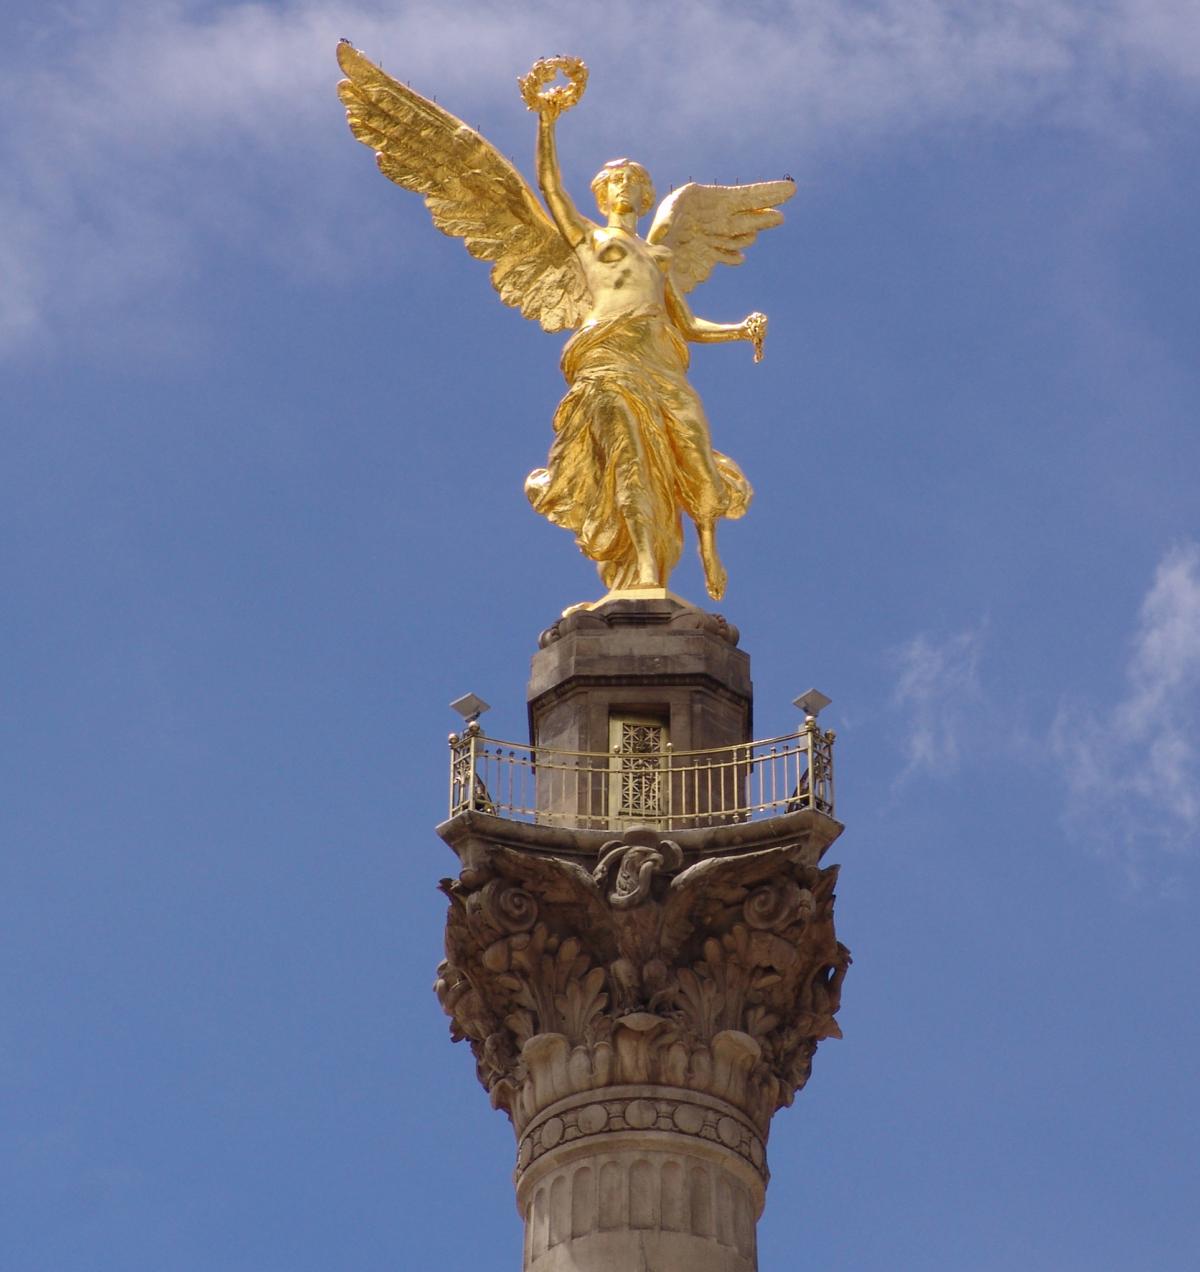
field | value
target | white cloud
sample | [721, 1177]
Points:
[139, 133]
[1132, 769]
[938, 690]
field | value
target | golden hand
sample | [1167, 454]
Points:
[755, 328]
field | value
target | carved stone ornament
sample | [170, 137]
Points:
[715, 979]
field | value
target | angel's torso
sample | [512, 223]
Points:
[624, 273]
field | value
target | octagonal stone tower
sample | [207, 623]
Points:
[640, 946]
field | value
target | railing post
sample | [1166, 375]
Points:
[811, 736]
[829, 800]
[669, 781]
[454, 741]
[473, 732]
[746, 784]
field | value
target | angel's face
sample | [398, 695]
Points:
[625, 191]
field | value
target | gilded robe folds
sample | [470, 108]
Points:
[632, 445]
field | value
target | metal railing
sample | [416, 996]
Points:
[667, 789]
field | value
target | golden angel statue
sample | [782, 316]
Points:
[632, 450]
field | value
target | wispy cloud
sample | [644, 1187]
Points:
[1132, 769]
[938, 689]
[140, 134]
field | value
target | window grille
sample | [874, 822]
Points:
[640, 754]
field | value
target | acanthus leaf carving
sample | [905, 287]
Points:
[638, 968]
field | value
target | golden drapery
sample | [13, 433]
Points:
[632, 447]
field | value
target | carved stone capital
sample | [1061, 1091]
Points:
[715, 976]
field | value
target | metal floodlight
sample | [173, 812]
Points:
[470, 706]
[812, 702]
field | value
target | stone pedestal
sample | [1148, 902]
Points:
[640, 1002]
[654, 658]
[658, 675]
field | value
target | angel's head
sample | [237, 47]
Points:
[623, 186]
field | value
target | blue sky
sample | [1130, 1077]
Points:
[261, 518]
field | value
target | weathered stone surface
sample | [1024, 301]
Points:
[721, 976]
[660, 656]
[473, 835]
[641, 1201]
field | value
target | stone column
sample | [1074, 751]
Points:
[640, 1023]
[653, 1178]
[641, 1002]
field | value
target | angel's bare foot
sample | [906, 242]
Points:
[715, 577]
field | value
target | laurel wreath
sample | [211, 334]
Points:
[562, 96]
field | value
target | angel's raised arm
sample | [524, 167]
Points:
[566, 216]
[548, 106]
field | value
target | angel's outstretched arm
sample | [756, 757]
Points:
[572, 226]
[700, 330]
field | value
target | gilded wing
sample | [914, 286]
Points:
[472, 191]
[706, 225]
